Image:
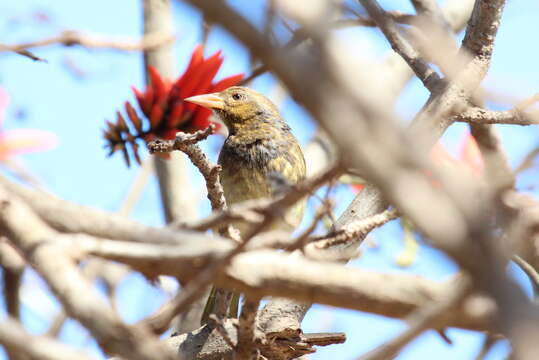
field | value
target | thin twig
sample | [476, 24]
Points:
[248, 211]
[529, 271]
[302, 239]
[300, 35]
[528, 160]
[186, 143]
[488, 343]
[356, 229]
[401, 45]
[72, 37]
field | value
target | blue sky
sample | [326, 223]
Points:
[48, 96]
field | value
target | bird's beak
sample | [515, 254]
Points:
[210, 101]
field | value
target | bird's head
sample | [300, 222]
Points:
[238, 106]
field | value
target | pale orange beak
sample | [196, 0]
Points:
[210, 101]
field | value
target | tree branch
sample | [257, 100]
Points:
[14, 337]
[398, 43]
[78, 296]
[477, 115]
[423, 319]
[72, 38]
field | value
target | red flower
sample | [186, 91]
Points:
[163, 107]
[469, 155]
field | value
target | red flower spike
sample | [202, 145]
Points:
[196, 59]
[226, 83]
[201, 118]
[140, 99]
[471, 155]
[121, 124]
[158, 84]
[205, 82]
[165, 112]
[155, 116]
[148, 99]
[175, 115]
[194, 64]
[190, 83]
[132, 114]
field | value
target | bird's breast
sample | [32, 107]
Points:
[248, 169]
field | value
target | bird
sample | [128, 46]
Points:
[260, 155]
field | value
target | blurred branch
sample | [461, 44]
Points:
[355, 229]
[177, 198]
[13, 265]
[398, 43]
[530, 272]
[397, 170]
[15, 338]
[423, 319]
[247, 331]
[81, 300]
[137, 187]
[68, 217]
[528, 160]
[269, 273]
[477, 115]
[72, 37]
[300, 35]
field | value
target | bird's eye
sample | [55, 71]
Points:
[236, 96]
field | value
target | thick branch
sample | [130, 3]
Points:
[80, 299]
[15, 338]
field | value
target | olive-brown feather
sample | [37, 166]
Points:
[260, 145]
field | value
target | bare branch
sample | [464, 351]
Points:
[398, 43]
[14, 337]
[79, 298]
[72, 38]
[247, 329]
[477, 115]
[421, 320]
[186, 143]
[358, 228]
[13, 265]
